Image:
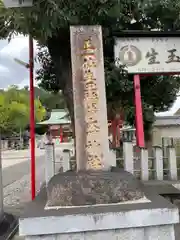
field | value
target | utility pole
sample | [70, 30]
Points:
[30, 66]
[32, 117]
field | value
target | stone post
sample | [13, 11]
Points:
[92, 146]
[172, 163]
[6, 144]
[66, 160]
[49, 161]
[2, 144]
[128, 157]
[158, 162]
[112, 158]
[144, 164]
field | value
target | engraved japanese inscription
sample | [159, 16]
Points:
[91, 98]
[90, 109]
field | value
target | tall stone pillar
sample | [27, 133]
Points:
[91, 128]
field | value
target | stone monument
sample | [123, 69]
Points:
[98, 201]
[98, 183]
[92, 147]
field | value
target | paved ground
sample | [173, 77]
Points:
[12, 157]
[16, 164]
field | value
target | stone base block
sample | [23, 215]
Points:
[153, 220]
[149, 233]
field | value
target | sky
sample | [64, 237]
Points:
[11, 73]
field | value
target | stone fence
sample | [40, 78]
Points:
[142, 163]
[150, 163]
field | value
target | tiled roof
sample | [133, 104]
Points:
[167, 121]
[61, 116]
[58, 116]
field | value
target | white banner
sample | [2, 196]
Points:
[148, 54]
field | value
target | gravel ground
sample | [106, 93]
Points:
[18, 193]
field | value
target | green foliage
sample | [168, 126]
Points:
[158, 92]
[46, 72]
[50, 100]
[48, 21]
[15, 110]
[4, 114]
[47, 17]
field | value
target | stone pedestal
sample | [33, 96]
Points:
[95, 205]
[145, 220]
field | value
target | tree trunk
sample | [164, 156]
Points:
[59, 49]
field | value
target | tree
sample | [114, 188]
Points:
[49, 21]
[158, 93]
[4, 115]
[14, 110]
[50, 100]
